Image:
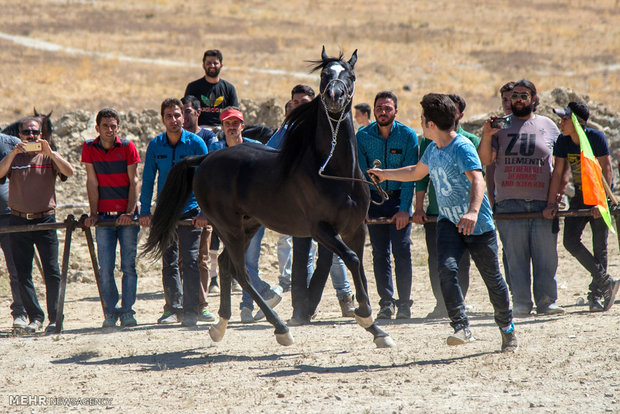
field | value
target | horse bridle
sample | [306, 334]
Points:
[384, 196]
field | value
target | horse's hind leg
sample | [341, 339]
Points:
[217, 330]
[353, 261]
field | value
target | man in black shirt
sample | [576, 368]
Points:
[214, 93]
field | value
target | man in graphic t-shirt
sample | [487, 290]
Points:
[214, 93]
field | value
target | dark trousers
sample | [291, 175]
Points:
[451, 245]
[306, 291]
[596, 262]
[46, 242]
[385, 238]
[433, 266]
[17, 308]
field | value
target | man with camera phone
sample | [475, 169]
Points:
[33, 166]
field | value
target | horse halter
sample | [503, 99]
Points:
[334, 129]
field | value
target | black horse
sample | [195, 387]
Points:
[46, 126]
[312, 187]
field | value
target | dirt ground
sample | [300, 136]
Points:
[564, 363]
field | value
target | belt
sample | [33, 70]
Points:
[111, 213]
[32, 216]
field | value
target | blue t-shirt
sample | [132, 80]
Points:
[447, 167]
[207, 135]
[218, 145]
[7, 143]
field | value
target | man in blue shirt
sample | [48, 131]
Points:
[162, 153]
[567, 149]
[394, 145]
[465, 217]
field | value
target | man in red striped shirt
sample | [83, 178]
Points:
[112, 184]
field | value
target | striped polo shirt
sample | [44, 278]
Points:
[111, 169]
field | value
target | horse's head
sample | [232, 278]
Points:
[337, 81]
[46, 124]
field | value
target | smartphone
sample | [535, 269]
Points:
[502, 122]
[32, 146]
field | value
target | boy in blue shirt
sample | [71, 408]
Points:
[465, 217]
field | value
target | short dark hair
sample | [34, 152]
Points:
[305, 89]
[580, 109]
[507, 87]
[29, 119]
[107, 113]
[170, 103]
[529, 85]
[386, 95]
[439, 109]
[458, 101]
[213, 52]
[192, 100]
[363, 108]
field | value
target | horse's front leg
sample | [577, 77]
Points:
[217, 330]
[352, 258]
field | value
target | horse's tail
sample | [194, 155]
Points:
[170, 203]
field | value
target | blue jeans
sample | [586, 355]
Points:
[127, 237]
[338, 272]
[182, 296]
[17, 308]
[285, 260]
[528, 241]
[252, 256]
[595, 262]
[451, 245]
[382, 237]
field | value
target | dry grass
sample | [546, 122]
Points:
[471, 49]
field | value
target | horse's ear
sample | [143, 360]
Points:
[323, 54]
[353, 59]
[50, 114]
[36, 113]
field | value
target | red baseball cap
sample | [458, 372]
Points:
[231, 113]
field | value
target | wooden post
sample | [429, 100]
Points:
[70, 225]
[93, 257]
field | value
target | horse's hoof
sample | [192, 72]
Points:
[285, 339]
[217, 330]
[364, 322]
[384, 342]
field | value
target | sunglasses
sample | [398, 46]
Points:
[522, 96]
[27, 132]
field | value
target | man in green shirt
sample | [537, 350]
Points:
[430, 228]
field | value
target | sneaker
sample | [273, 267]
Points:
[509, 339]
[246, 316]
[50, 328]
[404, 312]
[168, 318]
[109, 321]
[34, 326]
[609, 295]
[521, 311]
[297, 320]
[461, 335]
[20, 322]
[213, 286]
[189, 320]
[236, 287]
[596, 304]
[386, 312]
[127, 320]
[438, 313]
[347, 306]
[205, 315]
[551, 309]
[274, 299]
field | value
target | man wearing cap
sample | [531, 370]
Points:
[163, 151]
[213, 92]
[603, 288]
[233, 125]
[523, 159]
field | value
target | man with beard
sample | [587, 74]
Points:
[395, 145]
[214, 93]
[523, 159]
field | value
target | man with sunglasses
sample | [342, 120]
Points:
[32, 167]
[523, 159]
